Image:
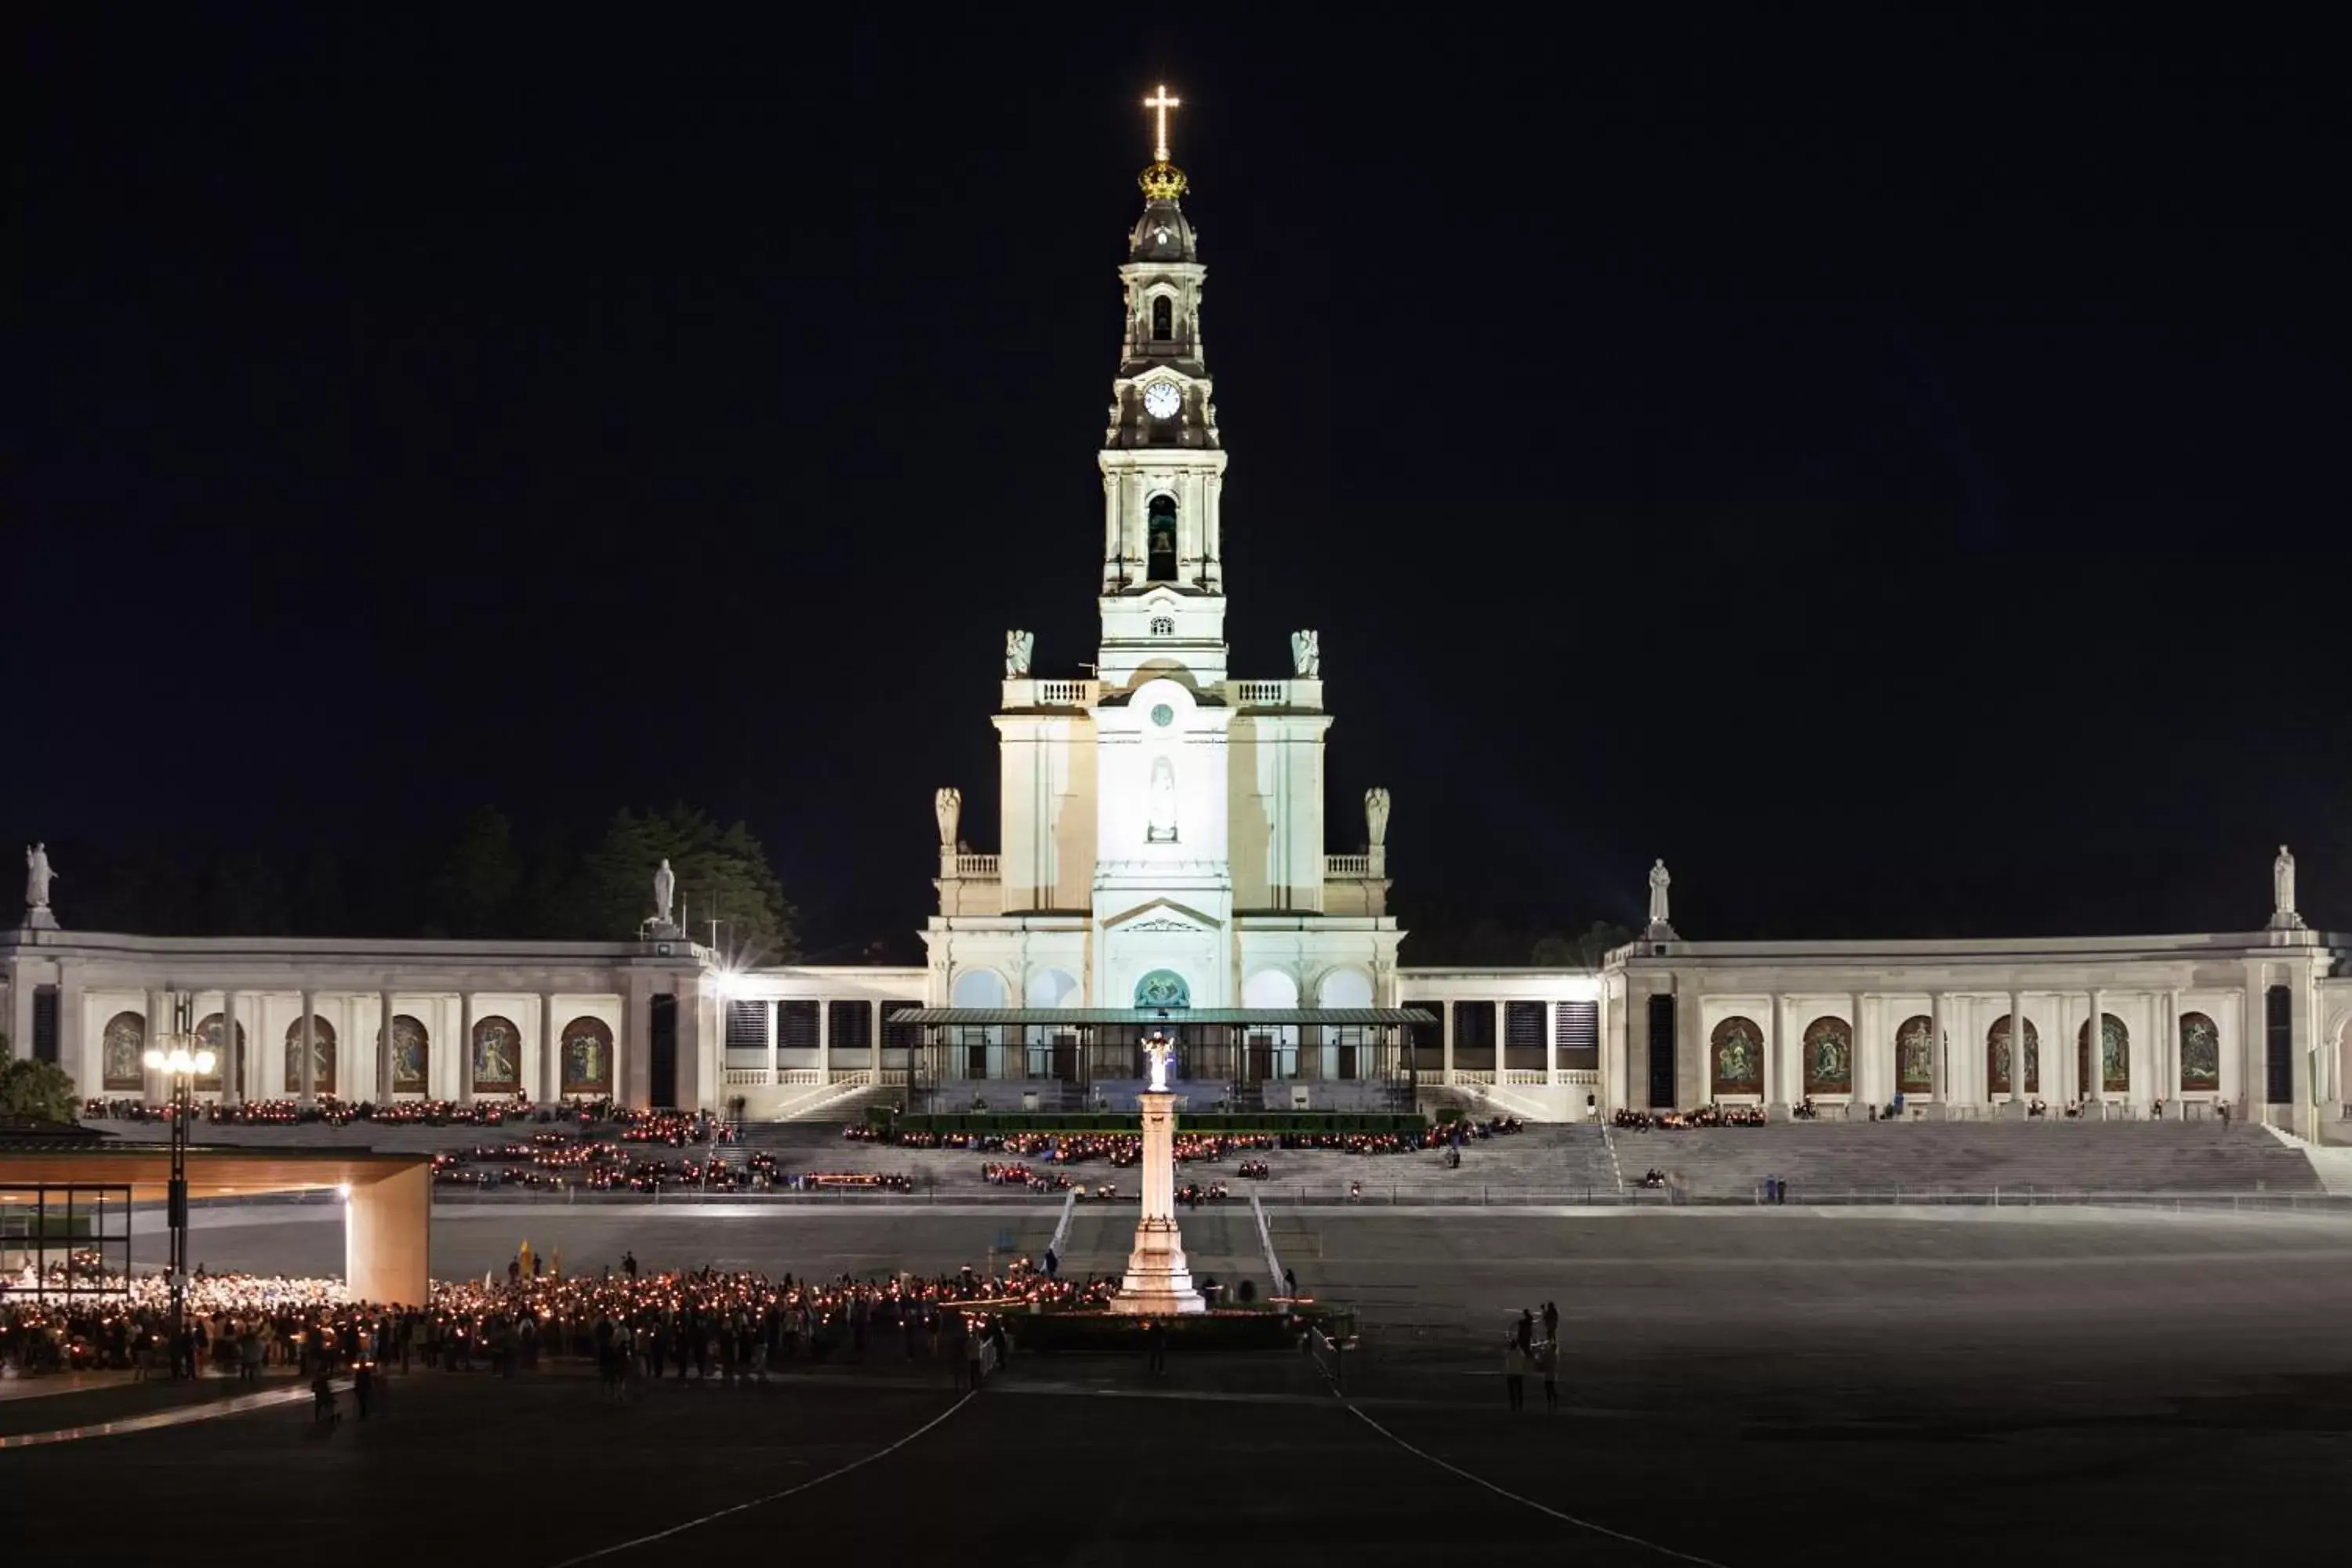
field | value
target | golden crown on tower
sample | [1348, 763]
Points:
[1164, 181]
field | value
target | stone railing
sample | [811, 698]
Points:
[862, 1077]
[976, 867]
[1580, 1077]
[1347, 868]
[1535, 1076]
[744, 1078]
[1067, 693]
[1261, 693]
[800, 1077]
[1471, 1077]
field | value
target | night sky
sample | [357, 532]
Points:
[1892, 469]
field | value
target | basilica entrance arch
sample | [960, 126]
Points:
[2114, 1057]
[1271, 1050]
[1346, 1052]
[977, 988]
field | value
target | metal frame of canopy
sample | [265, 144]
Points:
[1233, 1050]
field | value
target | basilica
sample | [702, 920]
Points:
[1162, 866]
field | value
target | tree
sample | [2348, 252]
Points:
[320, 906]
[36, 1089]
[474, 892]
[245, 895]
[1553, 951]
[722, 874]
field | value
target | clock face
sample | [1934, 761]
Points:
[1162, 399]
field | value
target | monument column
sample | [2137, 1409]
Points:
[774, 1034]
[825, 1041]
[465, 1047]
[1551, 1044]
[309, 1068]
[1445, 1043]
[1157, 1279]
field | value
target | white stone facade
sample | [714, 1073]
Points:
[1162, 820]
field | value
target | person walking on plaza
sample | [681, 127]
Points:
[1552, 1322]
[363, 1384]
[322, 1398]
[1155, 1343]
[1514, 1374]
[1548, 1364]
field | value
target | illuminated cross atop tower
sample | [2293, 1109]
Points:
[1163, 103]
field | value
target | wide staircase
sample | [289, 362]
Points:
[1931, 1158]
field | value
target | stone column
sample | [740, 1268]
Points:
[234, 1065]
[2094, 1089]
[1446, 1044]
[824, 1040]
[2167, 1047]
[1551, 1044]
[1776, 1065]
[1937, 1073]
[465, 1047]
[550, 1052]
[159, 1020]
[1865, 1075]
[2017, 1050]
[2254, 1050]
[775, 1035]
[310, 1068]
[384, 1082]
[873, 1038]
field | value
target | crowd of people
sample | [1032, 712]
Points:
[632, 1323]
[1710, 1115]
[675, 1128]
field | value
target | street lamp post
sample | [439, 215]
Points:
[181, 1061]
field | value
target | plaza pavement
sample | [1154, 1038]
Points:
[1746, 1387]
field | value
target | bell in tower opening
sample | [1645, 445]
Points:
[1162, 537]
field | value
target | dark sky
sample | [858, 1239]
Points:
[1892, 469]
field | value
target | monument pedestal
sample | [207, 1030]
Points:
[1157, 1279]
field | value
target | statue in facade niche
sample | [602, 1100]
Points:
[1019, 647]
[1162, 825]
[1376, 817]
[1307, 656]
[947, 807]
[665, 891]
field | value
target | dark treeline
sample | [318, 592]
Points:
[576, 882]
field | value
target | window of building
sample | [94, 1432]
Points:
[1163, 626]
[1163, 319]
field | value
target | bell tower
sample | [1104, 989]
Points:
[1163, 586]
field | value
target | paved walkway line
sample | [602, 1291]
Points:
[771, 1496]
[179, 1416]
[1530, 1502]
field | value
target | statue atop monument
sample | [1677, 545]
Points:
[1157, 1053]
[2282, 915]
[947, 807]
[1661, 928]
[38, 877]
[1019, 649]
[1376, 817]
[1306, 655]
